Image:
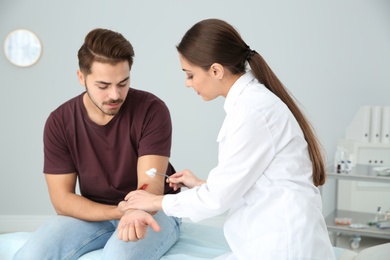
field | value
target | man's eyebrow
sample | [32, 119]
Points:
[108, 83]
[125, 79]
[102, 82]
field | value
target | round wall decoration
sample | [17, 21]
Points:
[22, 48]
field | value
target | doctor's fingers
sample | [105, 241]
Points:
[135, 192]
[178, 179]
[182, 173]
[129, 204]
[122, 206]
[176, 186]
[141, 202]
[188, 180]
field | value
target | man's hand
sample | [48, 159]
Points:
[133, 225]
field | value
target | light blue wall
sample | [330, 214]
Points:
[334, 56]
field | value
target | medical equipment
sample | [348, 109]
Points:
[382, 171]
[363, 158]
[153, 172]
[362, 155]
[383, 224]
[366, 146]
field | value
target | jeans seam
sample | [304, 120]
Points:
[86, 242]
[175, 232]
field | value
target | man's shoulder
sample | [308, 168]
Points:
[142, 95]
[144, 99]
[69, 105]
[67, 109]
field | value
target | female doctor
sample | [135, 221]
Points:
[269, 163]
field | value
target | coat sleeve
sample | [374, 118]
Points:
[246, 148]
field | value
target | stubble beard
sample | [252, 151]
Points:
[109, 112]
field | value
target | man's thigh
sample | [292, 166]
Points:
[64, 237]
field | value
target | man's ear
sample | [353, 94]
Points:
[217, 70]
[81, 77]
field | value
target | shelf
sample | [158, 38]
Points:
[356, 177]
[357, 218]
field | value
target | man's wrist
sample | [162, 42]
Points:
[128, 211]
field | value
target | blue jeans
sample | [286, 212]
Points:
[69, 238]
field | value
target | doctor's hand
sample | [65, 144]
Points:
[140, 199]
[133, 225]
[184, 178]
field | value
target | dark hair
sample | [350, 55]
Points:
[104, 46]
[215, 41]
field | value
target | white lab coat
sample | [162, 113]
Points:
[263, 178]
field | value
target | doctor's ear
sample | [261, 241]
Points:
[217, 70]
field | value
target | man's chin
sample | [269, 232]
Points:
[111, 112]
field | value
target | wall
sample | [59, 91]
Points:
[333, 56]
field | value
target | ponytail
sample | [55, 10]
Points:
[266, 76]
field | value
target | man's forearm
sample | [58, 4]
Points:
[76, 206]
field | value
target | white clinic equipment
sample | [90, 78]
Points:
[367, 142]
[362, 155]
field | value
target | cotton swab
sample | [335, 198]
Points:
[153, 172]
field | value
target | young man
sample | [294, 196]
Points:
[106, 138]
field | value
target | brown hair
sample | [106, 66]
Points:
[215, 41]
[104, 46]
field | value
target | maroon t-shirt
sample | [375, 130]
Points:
[105, 157]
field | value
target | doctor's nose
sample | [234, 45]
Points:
[188, 83]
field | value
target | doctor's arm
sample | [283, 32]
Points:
[149, 202]
[133, 230]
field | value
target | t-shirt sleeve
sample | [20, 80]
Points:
[156, 137]
[57, 158]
